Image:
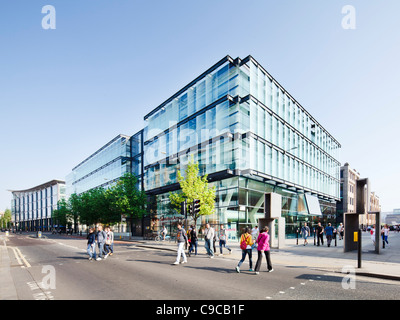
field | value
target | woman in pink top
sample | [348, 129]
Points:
[263, 246]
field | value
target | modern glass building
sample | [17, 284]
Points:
[103, 167]
[250, 136]
[246, 132]
[32, 208]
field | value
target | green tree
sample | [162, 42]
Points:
[127, 198]
[6, 219]
[194, 187]
[91, 206]
[62, 214]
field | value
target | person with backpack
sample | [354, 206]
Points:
[246, 242]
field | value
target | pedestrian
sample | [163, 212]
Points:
[208, 237]
[91, 244]
[181, 238]
[305, 232]
[329, 234]
[246, 243]
[320, 234]
[215, 239]
[101, 239]
[164, 232]
[385, 234]
[340, 231]
[193, 240]
[263, 247]
[254, 235]
[109, 244]
[223, 239]
[373, 234]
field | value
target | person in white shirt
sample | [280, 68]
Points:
[164, 232]
[373, 234]
[385, 234]
[254, 235]
[208, 237]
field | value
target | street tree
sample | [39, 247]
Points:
[62, 215]
[127, 198]
[6, 219]
[194, 187]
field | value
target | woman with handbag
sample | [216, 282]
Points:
[246, 241]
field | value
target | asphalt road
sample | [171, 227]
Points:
[58, 268]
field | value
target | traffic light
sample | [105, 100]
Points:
[195, 207]
[184, 208]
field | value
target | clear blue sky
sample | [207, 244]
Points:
[66, 92]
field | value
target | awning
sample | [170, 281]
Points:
[313, 205]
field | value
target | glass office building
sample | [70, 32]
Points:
[102, 168]
[246, 132]
[32, 208]
[250, 136]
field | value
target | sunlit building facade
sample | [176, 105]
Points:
[102, 168]
[245, 131]
[32, 208]
[250, 136]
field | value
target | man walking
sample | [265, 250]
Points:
[320, 234]
[305, 232]
[222, 239]
[329, 234]
[208, 238]
[182, 239]
[91, 244]
[101, 240]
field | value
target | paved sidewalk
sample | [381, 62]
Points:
[7, 287]
[385, 265]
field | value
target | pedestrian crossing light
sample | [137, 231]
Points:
[195, 207]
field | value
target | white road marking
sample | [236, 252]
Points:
[20, 258]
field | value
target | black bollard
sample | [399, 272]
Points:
[335, 239]
[297, 237]
[314, 237]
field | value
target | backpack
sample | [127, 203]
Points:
[243, 244]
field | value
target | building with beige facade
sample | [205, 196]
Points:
[347, 203]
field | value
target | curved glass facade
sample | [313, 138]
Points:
[32, 209]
